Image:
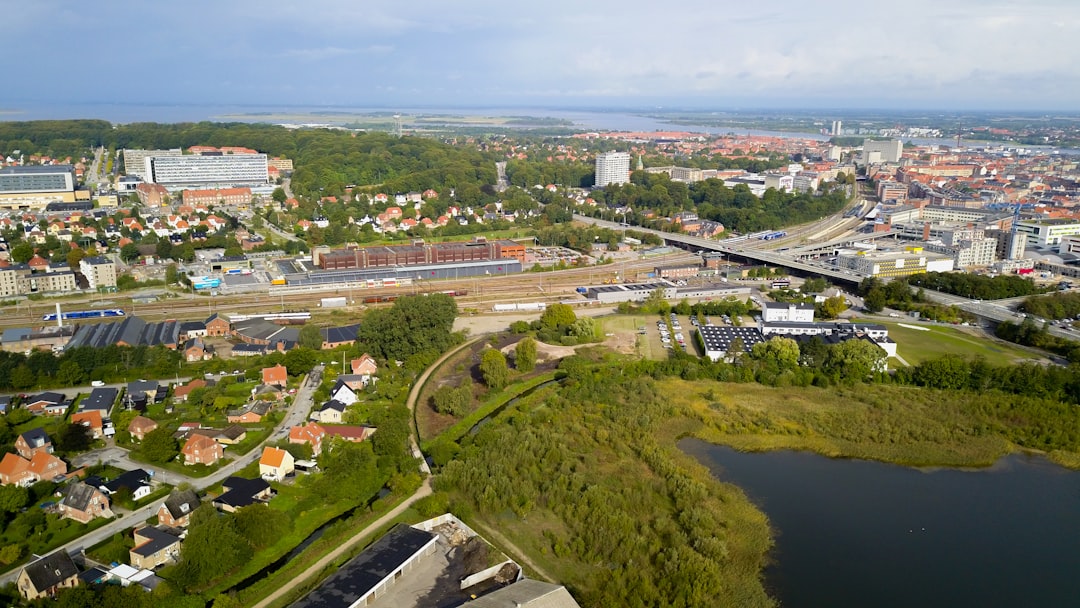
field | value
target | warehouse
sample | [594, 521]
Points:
[718, 339]
[629, 292]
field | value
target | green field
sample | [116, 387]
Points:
[916, 346]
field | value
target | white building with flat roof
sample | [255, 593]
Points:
[1047, 232]
[135, 160]
[189, 170]
[612, 168]
[784, 311]
[888, 151]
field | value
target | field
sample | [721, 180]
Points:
[916, 346]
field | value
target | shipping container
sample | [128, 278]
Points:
[333, 302]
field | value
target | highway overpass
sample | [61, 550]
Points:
[738, 249]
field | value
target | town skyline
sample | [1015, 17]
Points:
[967, 55]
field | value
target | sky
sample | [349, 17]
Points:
[941, 54]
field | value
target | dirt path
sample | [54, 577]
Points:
[315, 568]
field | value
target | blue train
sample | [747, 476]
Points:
[85, 314]
[773, 235]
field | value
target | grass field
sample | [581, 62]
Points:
[916, 346]
[630, 324]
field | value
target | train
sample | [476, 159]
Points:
[205, 283]
[773, 235]
[85, 314]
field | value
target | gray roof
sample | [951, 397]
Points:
[36, 438]
[47, 397]
[181, 503]
[786, 305]
[97, 260]
[340, 334]
[51, 570]
[131, 330]
[527, 593]
[159, 537]
[100, 399]
[263, 330]
[719, 338]
[79, 495]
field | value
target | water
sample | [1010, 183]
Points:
[852, 533]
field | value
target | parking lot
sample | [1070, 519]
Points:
[673, 331]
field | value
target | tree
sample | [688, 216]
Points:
[73, 258]
[13, 498]
[525, 355]
[299, 360]
[159, 446]
[172, 275]
[212, 548]
[70, 373]
[452, 401]
[493, 368]
[855, 360]
[22, 252]
[832, 307]
[310, 337]
[782, 351]
[72, 438]
[279, 195]
[23, 377]
[129, 253]
[558, 315]
[260, 525]
[875, 300]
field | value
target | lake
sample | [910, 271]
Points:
[854, 533]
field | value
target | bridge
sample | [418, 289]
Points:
[739, 249]
[997, 311]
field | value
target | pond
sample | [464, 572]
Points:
[853, 533]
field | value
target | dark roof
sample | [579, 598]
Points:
[249, 348]
[333, 404]
[79, 495]
[181, 503]
[340, 334]
[368, 569]
[97, 260]
[188, 326]
[241, 492]
[233, 431]
[100, 399]
[131, 330]
[92, 576]
[51, 570]
[36, 438]
[159, 537]
[131, 480]
[142, 386]
[47, 396]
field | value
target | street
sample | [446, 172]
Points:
[296, 414]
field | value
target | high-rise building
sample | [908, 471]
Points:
[135, 160]
[890, 149]
[34, 178]
[612, 168]
[837, 126]
[99, 272]
[207, 170]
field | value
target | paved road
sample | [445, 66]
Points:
[296, 414]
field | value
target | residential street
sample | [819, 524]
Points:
[296, 414]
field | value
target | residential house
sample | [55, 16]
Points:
[46, 576]
[53, 404]
[177, 508]
[331, 412]
[267, 391]
[240, 492]
[341, 392]
[251, 413]
[311, 434]
[91, 420]
[231, 435]
[275, 464]
[181, 393]
[83, 502]
[364, 366]
[354, 434]
[275, 376]
[197, 350]
[16, 470]
[136, 481]
[201, 449]
[33, 441]
[143, 392]
[5, 403]
[140, 426]
[101, 399]
[192, 329]
[155, 546]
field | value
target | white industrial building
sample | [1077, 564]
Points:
[717, 340]
[882, 151]
[790, 312]
[612, 168]
[1047, 232]
[888, 264]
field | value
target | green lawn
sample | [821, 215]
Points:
[916, 346]
[630, 323]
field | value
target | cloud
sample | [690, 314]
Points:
[327, 52]
[611, 52]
